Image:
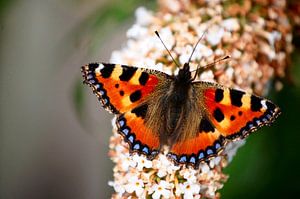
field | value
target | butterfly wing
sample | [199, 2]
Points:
[228, 114]
[123, 90]
[206, 144]
[120, 88]
[236, 113]
[140, 138]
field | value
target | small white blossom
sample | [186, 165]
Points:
[204, 168]
[143, 16]
[141, 162]
[232, 148]
[214, 162]
[273, 37]
[167, 37]
[160, 189]
[207, 76]
[120, 189]
[189, 190]
[135, 185]
[185, 54]
[214, 35]
[189, 175]
[136, 31]
[231, 24]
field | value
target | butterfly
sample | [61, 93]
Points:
[195, 119]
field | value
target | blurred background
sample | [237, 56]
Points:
[53, 133]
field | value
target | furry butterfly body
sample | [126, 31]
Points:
[194, 119]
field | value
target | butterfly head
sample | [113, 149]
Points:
[184, 74]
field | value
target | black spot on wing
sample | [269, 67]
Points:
[144, 78]
[140, 111]
[127, 73]
[236, 97]
[255, 103]
[219, 94]
[232, 117]
[206, 126]
[121, 93]
[93, 66]
[135, 96]
[107, 70]
[218, 115]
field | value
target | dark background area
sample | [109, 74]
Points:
[53, 133]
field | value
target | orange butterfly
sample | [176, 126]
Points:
[195, 119]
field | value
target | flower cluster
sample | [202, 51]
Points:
[138, 177]
[257, 36]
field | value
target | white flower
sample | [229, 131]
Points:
[274, 36]
[204, 168]
[232, 147]
[187, 189]
[126, 162]
[189, 175]
[161, 189]
[164, 166]
[229, 72]
[207, 76]
[143, 16]
[135, 185]
[214, 161]
[141, 162]
[214, 35]
[116, 57]
[136, 31]
[185, 54]
[231, 24]
[167, 36]
[117, 187]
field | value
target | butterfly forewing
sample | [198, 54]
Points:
[236, 113]
[120, 88]
[124, 90]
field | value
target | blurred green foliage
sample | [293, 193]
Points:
[4, 4]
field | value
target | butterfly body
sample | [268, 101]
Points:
[194, 119]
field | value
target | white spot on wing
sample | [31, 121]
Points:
[263, 103]
[100, 67]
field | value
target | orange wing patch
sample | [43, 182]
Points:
[119, 88]
[140, 138]
[235, 113]
[200, 148]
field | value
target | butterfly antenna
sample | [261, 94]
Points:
[208, 65]
[197, 44]
[167, 49]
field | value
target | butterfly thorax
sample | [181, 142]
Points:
[177, 105]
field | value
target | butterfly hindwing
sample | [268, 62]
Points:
[207, 143]
[120, 88]
[236, 113]
[140, 138]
